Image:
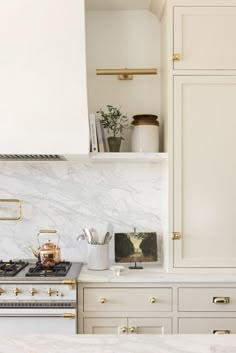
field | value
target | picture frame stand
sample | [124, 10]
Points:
[135, 267]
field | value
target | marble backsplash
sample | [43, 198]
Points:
[68, 196]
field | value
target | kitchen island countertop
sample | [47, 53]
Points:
[119, 344]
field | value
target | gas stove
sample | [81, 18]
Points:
[36, 299]
[11, 268]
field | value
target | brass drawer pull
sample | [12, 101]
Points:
[221, 300]
[221, 332]
[153, 300]
[103, 300]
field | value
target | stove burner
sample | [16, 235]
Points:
[11, 268]
[58, 270]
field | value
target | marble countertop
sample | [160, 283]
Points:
[152, 274]
[119, 344]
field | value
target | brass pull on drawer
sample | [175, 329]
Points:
[221, 300]
[221, 332]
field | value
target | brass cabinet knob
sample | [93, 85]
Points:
[33, 291]
[153, 300]
[103, 300]
[16, 291]
[176, 57]
[2, 291]
[132, 329]
[123, 329]
[51, 291]
[221, 332]
[221, 300]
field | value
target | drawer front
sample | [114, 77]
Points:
[207, 299]
[202, 325]
[127, 299]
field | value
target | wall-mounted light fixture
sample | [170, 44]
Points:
[126, 74]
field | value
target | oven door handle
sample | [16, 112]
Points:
[64, 315]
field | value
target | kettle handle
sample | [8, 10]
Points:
[48, 231]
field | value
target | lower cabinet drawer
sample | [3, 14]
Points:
[207, 299]
[216, 325]
[127, 299]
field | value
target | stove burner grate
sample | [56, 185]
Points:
[58, 270]
[11, 268]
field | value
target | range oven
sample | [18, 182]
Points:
[41, 303]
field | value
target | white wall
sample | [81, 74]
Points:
[119, 39]
[67, 196]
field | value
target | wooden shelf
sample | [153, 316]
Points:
[127, 157]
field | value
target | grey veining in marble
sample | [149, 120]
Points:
[67, 196]
[119, 344]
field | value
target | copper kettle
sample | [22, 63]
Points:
[48, 254]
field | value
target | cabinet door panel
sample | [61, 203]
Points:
[205, 171]
[101, 326]
[205, 37]
[150, 325]
[204, 325]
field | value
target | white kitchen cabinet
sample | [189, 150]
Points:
[204, 325]
[206, 307]
[124, 309]
[127, 325]
[199, 94]
[204, 171]
[204, 36]
[43, 104]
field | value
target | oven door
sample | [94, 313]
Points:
[37, 321]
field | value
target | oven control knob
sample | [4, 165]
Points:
[52, 291]
[16, 291]
[33, 291]
[2, 291]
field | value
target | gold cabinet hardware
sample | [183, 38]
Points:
[48, 231]
[132, 329]
[68, 316]
[16, 291]
[70, 282]
[221, 300]
[123, 329]
[153, 300]
[51, 291]
[126, 74]
[33, 291]
[221, 332]
[2, 291]
[176, 235]
[19, 208]
[103, 300]
[176, 57]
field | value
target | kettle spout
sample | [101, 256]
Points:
[34, 251]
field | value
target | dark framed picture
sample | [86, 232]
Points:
[136, 247]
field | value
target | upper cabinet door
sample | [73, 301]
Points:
[43, 94]
[205, 38]
[205, 171]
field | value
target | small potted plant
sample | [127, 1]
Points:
[115, 122]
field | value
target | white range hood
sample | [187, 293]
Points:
[43, 93]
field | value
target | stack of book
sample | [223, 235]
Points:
[98, 141]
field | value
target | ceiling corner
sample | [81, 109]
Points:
[157, 7]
